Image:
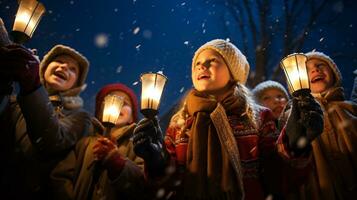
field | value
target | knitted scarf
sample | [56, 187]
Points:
[213, 168]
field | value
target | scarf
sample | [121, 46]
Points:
[213, 168]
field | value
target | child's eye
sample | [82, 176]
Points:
[266, 98]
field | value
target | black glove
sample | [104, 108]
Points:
[305, 123]
[148, 144]
[22, 66]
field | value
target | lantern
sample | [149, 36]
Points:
[152, 87]
[27, 18]
[294, 66]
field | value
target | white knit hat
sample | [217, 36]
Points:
[330, 63]
[66, 50]
[235, 60]
[263, 86]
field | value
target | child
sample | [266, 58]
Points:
[334, 151]
[274, 96]
[40, 126]
[103, 168]
[216, 142]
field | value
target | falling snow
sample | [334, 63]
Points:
[135, 83]
[137, 47]
[182, 89]
[119, 68]
[136, 30]
[186, 42]
[101, 40]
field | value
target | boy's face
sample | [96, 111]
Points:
[320, 75]
[210, 72]
[275, 100]
[62, 73]
[126, 112]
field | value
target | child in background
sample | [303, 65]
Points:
[274, 96]
[335, 150]
[104, 167]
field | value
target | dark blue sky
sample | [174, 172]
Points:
[125, 38]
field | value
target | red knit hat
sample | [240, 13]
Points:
[116, 87]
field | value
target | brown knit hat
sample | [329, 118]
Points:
[330, 63]
[235, 60]
[263, 86]
[104, 91]
[66, 50]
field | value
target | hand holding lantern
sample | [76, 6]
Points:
[305, 122]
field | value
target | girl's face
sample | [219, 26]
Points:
[62, 73]
[210, 73]
[320, 75]
[275, 100]
[126, 112]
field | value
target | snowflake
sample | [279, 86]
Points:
[136, 82]
[186, 42]
[136, 30]
[321, 39]
[137, 47]
[182, 89]
[101, 40]
[119, 68]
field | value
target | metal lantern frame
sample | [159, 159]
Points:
[296, 73]
[151, 92]
[28, 17]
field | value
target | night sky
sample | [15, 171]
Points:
[124, 38]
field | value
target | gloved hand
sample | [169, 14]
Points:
[305, 123]
[148, 140]
[106, 152]
[22, 66]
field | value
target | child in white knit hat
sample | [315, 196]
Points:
[215, 144]
[272, 95]
[335, 150]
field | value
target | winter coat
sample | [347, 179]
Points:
[37, 133]
[334, 176]
[79, 176]
[222, 150]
